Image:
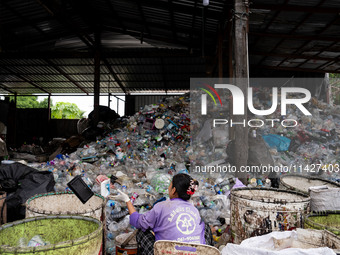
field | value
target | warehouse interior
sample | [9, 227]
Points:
[146, 50]
[140, 47]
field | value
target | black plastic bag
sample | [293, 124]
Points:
[23, 182]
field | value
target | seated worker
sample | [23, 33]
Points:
[175, 219]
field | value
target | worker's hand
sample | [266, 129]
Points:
[121, 197]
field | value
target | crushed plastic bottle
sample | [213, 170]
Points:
[36, 241]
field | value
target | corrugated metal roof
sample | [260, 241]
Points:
[283, 35]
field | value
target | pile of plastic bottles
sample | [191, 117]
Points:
[141, 157]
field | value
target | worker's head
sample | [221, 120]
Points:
[182, 186]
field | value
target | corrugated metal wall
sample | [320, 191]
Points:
[141, 101]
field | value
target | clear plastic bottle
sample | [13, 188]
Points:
[36, 241]
[151, 190]
[119, 215]
[109, 206]
[124, 188]
[134, 197]
[206, 202]
[217, 188]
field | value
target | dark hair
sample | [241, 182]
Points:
[182, 182]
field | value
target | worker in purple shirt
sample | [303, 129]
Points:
[175, 219]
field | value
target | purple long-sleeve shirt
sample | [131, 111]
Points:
[175, 219]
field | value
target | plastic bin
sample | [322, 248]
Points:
[64, 203]
[67, 235]
[302, 183]
[329, 220]
[259, 211]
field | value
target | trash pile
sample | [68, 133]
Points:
[310, 148]
[142, 155]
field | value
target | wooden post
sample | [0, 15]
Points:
[96, 88]
[220, 53]
[231, 66]
[241, 80]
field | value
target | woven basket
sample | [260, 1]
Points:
[259, 211]
[302, 183]
[65, 203]
[67, 235]
[328, 220]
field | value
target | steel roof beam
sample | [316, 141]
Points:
[87, 40]
[271, 21]
[294, 8]
[106, 63]
[193, 24]
[25, 80]
[141, 12]
[115, 14]
[296, 36]
[25, 20]
[172, 20]
[80, 74]
[115, 76]
[291, 56]
[106, 87]
[58, 69]
[324, 48]
[55, 10]
[297, 26]
[4, 87]
[97, 47]
[167, 27]
[306, 17]
[181, 8]
[14, 25]
[136, 34]
[294, 69]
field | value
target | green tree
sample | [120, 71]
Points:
[30, 102]
[63, 110]
[44, 103]
[334, 80]
[334, 75]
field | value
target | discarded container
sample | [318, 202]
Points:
[70, 235]
[259, 211]
[329, 220]
[64, 203]
[302, 183]
[130, 248]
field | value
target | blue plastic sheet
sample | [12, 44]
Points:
[280, 143]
